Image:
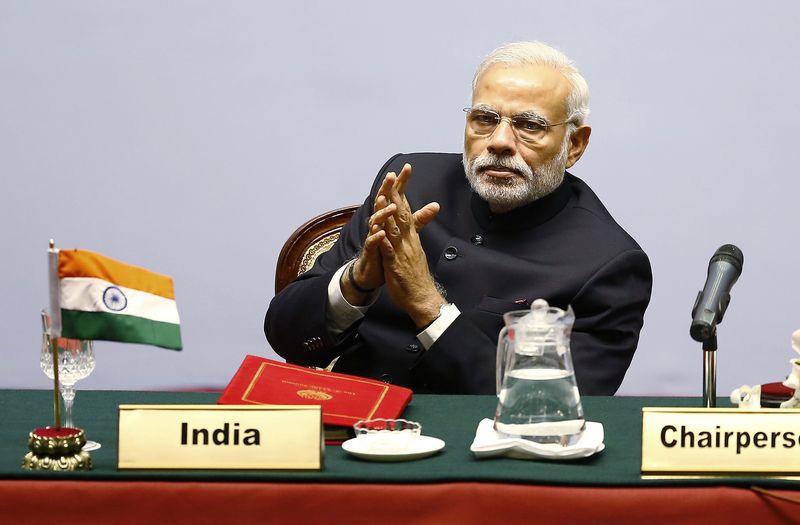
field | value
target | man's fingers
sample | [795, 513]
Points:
[387, 250]
[391, 196]
[386, 185]
[380, 203]
[393, 231]
[379, 217]
[373, 241]
[403, 178]
[396, 194]
[426, 214]
[404, 219]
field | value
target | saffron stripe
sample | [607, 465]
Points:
[83, 263]
[119, 327]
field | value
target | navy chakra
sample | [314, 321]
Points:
[114, 299]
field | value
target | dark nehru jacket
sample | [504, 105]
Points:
[565, 248]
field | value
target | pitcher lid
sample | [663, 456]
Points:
[543, 313]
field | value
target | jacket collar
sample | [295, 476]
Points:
[529, 216]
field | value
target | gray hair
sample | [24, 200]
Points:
[541, 54]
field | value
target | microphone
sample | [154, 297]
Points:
[709, 307]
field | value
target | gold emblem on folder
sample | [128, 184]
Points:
[314, 394]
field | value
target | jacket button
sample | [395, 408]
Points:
[477, 240]
[450, 253]
[386, 378]
[413, 347]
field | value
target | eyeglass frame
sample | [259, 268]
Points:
[528, 115]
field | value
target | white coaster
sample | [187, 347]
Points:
[489, 443]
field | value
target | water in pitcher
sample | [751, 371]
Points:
[540, 404]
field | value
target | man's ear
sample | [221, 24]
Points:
[577, 144]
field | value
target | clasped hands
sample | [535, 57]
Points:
[392, 254]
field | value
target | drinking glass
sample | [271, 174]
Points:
[75, 362]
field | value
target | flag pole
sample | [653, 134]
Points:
[54, 350]
[56, 400]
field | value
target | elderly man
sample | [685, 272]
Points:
[414, 290]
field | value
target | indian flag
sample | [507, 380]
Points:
[96, 297]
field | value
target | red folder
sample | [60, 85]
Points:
[344, 399]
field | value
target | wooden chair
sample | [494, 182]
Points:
[308, 242]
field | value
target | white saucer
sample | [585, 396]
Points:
[91, 445]
[424, 446]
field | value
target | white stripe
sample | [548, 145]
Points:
[86, 294]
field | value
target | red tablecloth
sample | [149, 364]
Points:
[154, 502]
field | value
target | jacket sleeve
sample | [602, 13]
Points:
[609, 313]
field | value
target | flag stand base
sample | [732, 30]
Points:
[57, 449]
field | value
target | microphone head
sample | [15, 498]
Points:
[712, 301]
[730, 254]
[701, 332]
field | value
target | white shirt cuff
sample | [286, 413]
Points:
[447, 315]
[341, 315]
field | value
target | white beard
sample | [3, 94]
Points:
[528, 185]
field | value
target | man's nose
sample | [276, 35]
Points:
[503, 141]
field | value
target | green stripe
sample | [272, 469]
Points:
[118, 327]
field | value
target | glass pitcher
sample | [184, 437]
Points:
[538, 397]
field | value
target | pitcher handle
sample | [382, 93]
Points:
[500, 359]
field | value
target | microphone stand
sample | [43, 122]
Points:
[710, 371]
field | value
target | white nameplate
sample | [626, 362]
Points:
[720, 440]
[220, 437]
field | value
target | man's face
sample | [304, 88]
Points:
[506, 171]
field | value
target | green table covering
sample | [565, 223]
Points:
[451, 418]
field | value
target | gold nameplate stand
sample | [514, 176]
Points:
[702, 441]
[220, 437]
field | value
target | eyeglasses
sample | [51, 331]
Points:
[527, 128]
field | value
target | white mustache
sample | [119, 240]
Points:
[490, 160]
